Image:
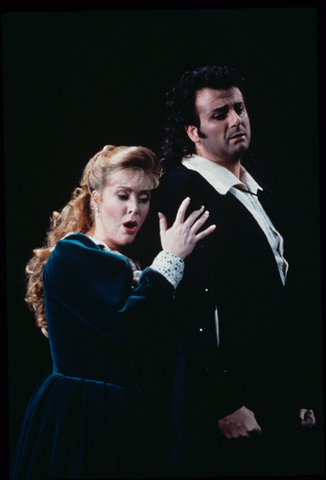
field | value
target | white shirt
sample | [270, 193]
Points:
[224, 181]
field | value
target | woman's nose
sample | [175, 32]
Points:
[133, 205]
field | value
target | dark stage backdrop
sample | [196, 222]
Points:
[76, 81]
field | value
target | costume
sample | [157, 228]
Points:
[251, 360]
[95, 416]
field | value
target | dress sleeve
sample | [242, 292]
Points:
[169, 265]
[96, 286]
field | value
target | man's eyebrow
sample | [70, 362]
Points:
[225, 107]
[219, 109]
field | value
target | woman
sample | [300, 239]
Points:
[96, 414]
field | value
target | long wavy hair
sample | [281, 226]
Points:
[78, 215]
[181, 111]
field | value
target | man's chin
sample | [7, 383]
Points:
[240, 149]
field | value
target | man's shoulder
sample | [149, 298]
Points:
[178, 170]
[179, 183]
[176, 178]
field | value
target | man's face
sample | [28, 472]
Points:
[224, 133]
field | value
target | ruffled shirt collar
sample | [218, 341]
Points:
[103, 246]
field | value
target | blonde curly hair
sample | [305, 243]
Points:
[78, 217]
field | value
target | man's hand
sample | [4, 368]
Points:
[307, 418]
[241, 423]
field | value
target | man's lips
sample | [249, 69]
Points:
[238, 135]
[130, 226]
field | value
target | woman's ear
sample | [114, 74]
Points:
[95, 202]
[95, 199]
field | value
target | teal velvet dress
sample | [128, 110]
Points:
[100, 413]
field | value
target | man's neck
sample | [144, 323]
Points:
[234, 168]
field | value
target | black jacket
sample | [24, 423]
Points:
[233, 269]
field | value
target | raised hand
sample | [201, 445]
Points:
[182, 237]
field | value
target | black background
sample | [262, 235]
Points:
[75, 81]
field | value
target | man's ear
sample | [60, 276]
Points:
[192, 133]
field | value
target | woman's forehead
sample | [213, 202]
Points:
[131, 179]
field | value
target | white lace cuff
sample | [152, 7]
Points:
[170, 266]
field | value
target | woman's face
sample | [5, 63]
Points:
[123, 208]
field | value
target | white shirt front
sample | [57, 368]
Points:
[224, 181]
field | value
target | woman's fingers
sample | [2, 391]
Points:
[182, 237]
[205, 233]
[193, 217]
[162, 223]
[194, 224]
[182, 210]
[191, 220]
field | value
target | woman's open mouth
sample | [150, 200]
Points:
[130, 227]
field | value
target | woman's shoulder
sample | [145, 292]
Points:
[78, 247]
[76, 239]
[74, 243]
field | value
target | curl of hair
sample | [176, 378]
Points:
[78, 217]
[181, 111]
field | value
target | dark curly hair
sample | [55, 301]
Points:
[181, 111]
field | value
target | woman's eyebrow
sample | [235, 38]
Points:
[130, 189]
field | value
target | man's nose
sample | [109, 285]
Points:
[234, 118]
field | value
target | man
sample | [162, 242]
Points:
[236, 395]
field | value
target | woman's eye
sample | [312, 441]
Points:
[122, 196]
[144, 199]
